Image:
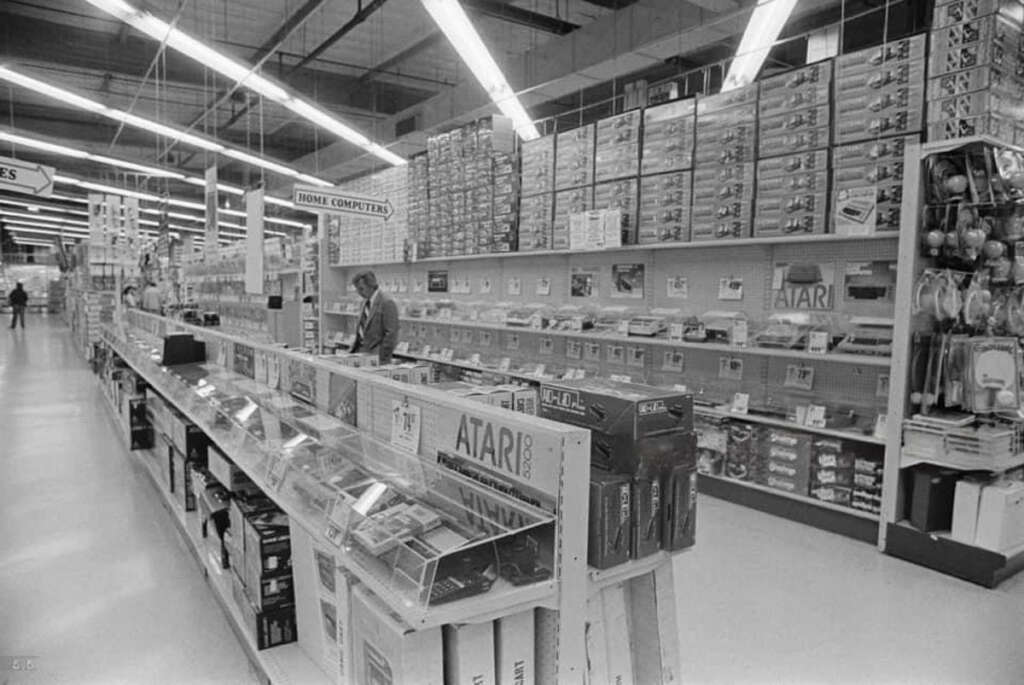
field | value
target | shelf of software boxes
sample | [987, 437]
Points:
[308, 462]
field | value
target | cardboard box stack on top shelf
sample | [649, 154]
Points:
[723, 177]
[794, 116]
[976, 57]
[537, 183]
[879, 93]
[574, 177]
[666, 186]
[470, 192]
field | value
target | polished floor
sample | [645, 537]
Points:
[97, 586]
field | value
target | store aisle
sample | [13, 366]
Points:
[94, 580]
[764, 600]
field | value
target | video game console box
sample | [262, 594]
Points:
[385, 651]
[611, 519]
[469, 654]
[679, 508]
[515, 649]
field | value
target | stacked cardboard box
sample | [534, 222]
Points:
[787, 456]
[567, 203]
[620, 195]
[723, 178]
[617, 152]
[668, 137]
[794, 117]
[537, 183]
[974, 66]
[867, 182]
[831, 471]
[665, 201]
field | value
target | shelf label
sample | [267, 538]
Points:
[623, 327]
[740, 403]
[815, 416]
[485, 338]
[475, 359]
[425, 351]
[547, 346]
[637, 357]
[447, 354]
[405, 426]
[504, 364]
[730, 368]
[539, 371]
[337, 521]
[621, 378]
[680, 388]
[817, 342]
[881, 427]
[739, 332]
[673, 361]
[402, 347]
[675, 332]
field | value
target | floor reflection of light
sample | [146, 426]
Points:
[42, 554]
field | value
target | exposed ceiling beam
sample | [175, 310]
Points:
[262, 54]
[520, 16]
[358, 18]
[425, 43]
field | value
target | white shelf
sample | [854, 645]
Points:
[782, 423]
[602, 578]
[799, 498]
[830, 357]
[907, 460]
[938, 146]
[698, 245]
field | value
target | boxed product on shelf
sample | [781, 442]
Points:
[469, 653]
[990, 39]
[833, 494]
[515, 653]
[723, 199]
[787, 457]
[574, 162]
[632, 425]
[597, 229]
[668, 136]
[271, 592]
[726, 136]
[267, 628]
[741, 455]
[966, 500]
[868, 185]
[646, 502]
[617, 149]
[267, 545]
[384, 650]
[610, 520]
[783, 134]
[932, 490]
[665, 202]
[1000, 525]
[620, 195]
[712, 441]
[568, 202]
[537, 163]
[795, 90]
[887, 82]
[679, 507]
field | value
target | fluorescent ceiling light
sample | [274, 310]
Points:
[240, 73]
[154, 127]
[762, 31]
[452, 20]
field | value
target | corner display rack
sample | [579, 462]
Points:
[936, 550]
[295, 452]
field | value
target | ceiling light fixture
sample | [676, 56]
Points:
[762, 31]
[154, 127]
[453, 22]
[241, 74]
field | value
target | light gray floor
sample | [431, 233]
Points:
[95, 582]
[94, 579]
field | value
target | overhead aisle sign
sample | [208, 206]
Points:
[321, 200]
[19, 176]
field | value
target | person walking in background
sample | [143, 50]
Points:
[129, 298]
[18, 300]
[151, 299]
[377, 329]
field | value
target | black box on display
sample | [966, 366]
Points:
[931, 497]
[646, 502]
[633, 426]
[271, 592]
[182, 348]
[610, 519]
[268, 550]
[268, 628]
[679, 508]
[141, 438]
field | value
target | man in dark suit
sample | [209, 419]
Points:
[377, 329]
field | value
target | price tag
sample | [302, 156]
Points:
[614, 353]
[636, 357]
[536, 322]
[447, 354]
[569, 375]
[475, 359]
[579, 374]
[402, 347]
[455, 335]
[621, 378]
[882, 383]
[799, 376]
[337, 521]
[573, 349]
[675, 332]
[425, 351]
[504, 364]
[547, 346]
[817, 342]
[739, 332]
[623, 327]
[680, 388]
[276, 471]
[576, 324]
[405, 426]
[673, 361]
[881, 427]
[513, 342]
[539, 371]
[485, 338]
[730, 288]
[815, 416]
[740, 403]
[730, 368]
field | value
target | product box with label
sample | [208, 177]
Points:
[966, 501]
[574, 158]
[665, 202]
[801, 88]
[679, 507]
[668, 136]
[620, 195]
[798, 171]
[469, 657]
[1001, 516]
[538, 166]
[225, 471]
[271, 592]
[798, 213]
[610, 522]
[515, 649]
[789, 132]
[647, 516]
[385, 651]
[617, 151]
[535, 222]
[267, 546]
[567, 203]
[268, 628]
[726, 137]
[631, 424]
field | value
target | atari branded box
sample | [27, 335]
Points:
[632, 425]
[384, 650]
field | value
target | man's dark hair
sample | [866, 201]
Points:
[367, 277]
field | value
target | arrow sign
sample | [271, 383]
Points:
[19, 176]
[335, 202]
